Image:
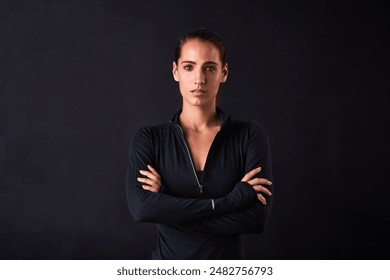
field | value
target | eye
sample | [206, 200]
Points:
[187, 67]
[210, 68]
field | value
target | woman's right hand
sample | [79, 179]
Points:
[257, 184]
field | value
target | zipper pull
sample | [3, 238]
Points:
[201, 189]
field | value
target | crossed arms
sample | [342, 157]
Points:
[245, 209]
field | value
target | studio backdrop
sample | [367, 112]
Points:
[77, 78]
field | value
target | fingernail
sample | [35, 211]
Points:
[259, 168]
[269, 182]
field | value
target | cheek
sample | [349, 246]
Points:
[184, 83]
[185, 80]
[215, 80]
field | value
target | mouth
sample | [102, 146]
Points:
[198, 91]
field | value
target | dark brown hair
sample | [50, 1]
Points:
[204, 35]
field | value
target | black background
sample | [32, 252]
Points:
[77, 78]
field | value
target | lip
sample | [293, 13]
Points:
[198, 90]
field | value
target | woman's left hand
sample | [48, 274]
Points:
[152, 182]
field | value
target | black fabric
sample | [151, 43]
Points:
[200, 175]
[200, 220]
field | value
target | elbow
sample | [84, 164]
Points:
[137, 208]
[140, 215]
[259, 224]
[144, 214]
[138, 212]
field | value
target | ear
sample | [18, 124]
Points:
[225, 73]
[174, 71]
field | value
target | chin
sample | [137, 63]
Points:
[198, 102]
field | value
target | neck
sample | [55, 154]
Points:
[199, 117]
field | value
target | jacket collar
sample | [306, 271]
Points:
[223, 116]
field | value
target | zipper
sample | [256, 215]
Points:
[189, 155]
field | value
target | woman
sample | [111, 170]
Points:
[198, 176]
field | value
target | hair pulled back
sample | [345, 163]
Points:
[202, 34]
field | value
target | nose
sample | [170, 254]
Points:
[201, 82]
[200, 78]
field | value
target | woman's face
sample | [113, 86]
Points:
[199, 72]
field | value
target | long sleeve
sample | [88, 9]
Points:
[253, 217]
[162, 208]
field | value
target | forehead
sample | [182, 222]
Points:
[198, 50]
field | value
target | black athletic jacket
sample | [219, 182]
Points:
[194, 220]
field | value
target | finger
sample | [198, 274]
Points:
[151, 176]
[150, 183]
[147, 181]
[149, 188]
[250, 174]
[262, 199]
[146, 187]
[153, 170]
[259, 181]
[259, 188]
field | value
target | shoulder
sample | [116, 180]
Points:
[151, 133]
[252, 136]
[248, 128]
[151, 129]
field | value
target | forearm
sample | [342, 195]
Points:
[146, 206]
[252, 218]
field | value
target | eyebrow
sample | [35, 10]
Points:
[192, 62]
